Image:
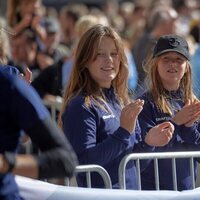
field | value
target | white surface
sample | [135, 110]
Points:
[37, 190]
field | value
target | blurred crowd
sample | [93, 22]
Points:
[44, 39]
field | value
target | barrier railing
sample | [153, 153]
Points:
[88, 169]
[156, 156]
[54, 106]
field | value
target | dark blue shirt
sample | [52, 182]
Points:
[97, 138]
[184, 139]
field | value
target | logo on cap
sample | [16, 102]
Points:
[174, 42]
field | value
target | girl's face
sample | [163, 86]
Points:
[171, 68]
[104, 67]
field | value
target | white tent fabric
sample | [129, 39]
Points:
[37, 190]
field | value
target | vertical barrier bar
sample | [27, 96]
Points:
[88, 177]
[156, 173]
[121, 173]
[174, 174]
[138, 172]
[95, 168]
[192, 171]
[66, 181]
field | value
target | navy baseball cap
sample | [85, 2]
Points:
[169, 43]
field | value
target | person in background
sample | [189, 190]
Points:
[22, 109]
[5, 54]
[161, 21]
[22, 14]
[51, 51]
[68, 16]
[24, 52]
[4, 43]
[51, 82]
[195, 60]
[97, 115]
[170, 98]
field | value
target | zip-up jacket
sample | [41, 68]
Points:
[184, 139]
[97, 138]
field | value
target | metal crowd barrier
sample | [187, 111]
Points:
[54, 106]
[155, 156]
[88, 169]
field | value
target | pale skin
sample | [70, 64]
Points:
[129, 115]
[160, 135]
[171, 67]
[103, 69]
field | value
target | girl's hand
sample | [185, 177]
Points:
[187, 114]
[160, 135]
[194, 119]
[129, 115]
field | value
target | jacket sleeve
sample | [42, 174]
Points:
[191, 135]
[80, 127]
[146, 122]
[57, 158]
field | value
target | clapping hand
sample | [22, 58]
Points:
[189, 114]
[129, 115]
[160, 135]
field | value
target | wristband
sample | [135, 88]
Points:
[10, 159]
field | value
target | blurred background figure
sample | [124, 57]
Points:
[57, 75]
[162, 21]
[24, 52]
[22, 14]
[185, 10]
[68, 16]
[195, 60]
[51, 51]
[4, 43]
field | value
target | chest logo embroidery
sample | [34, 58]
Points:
[163, 119]
[108, 116]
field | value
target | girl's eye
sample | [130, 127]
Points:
[100, 54]
[180, 61]
[165, 59]
[104, 55]
[114, 54]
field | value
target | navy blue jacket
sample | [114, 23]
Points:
[97, 138]
[10, 120]
[22, 109]
[184, 139]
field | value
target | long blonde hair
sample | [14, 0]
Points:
[157, 89]
[80, 79]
